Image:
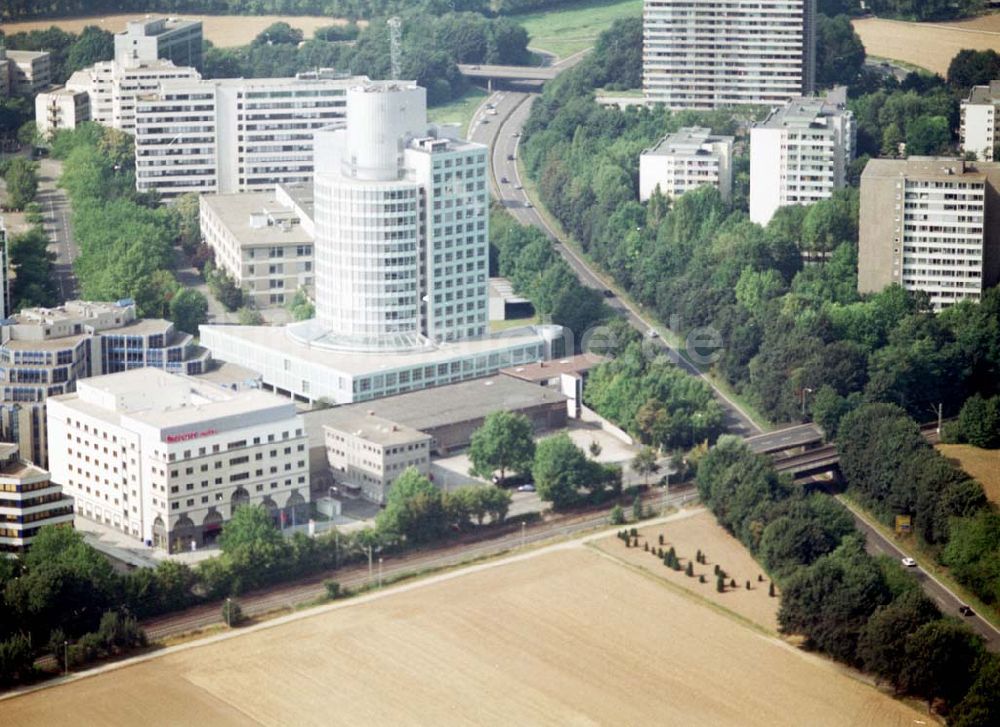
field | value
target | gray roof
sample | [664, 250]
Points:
[808, 110]
[688, 141]
[439, 406]
[234, 212]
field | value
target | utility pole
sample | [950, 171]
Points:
[939, 410]
[66, 656]
[395, 45]
[380, 572]
[523, 526]
[805, 391]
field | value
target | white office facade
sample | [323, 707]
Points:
[690, 158]
[703, 54]
[800, 154]
[168, 459]
[401, 256]
[233, 135]
[113, 88]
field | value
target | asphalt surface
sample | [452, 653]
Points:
[788, 438]
[56, 209]
[947, 601]
[502, 133]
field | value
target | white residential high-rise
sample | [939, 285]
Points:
[686, 160]
[703, 54]
[168, 459]
[978, 131]
[112, 88]
[233, 135]
[930, 224]
[401, 263]
[800, 153]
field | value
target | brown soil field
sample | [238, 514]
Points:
[928, 45]
[701, 532]
[224, 31]
[983, 464]
[566, 635]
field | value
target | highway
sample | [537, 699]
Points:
[502, 133]
[801, 435]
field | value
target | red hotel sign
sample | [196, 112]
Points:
[171, 438]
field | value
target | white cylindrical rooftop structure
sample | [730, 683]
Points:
[381, 117]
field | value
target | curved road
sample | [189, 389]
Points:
[502, 133]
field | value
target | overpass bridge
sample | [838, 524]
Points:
[538, 74]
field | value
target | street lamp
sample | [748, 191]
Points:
[229, 612]
[805, 390]
[380, 572]
[66, 656]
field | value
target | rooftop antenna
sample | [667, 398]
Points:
[395, 37]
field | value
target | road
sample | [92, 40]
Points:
[948, 602]
[800, 435]
[355, 577]
[56, 209]
[502, 133]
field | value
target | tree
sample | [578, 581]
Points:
[941, 659]
[981, 704]
[882, 643]
[280, 33]
[505, 442]
[92, 45]
[33, 283]
[249, 316]
[560, 469]
[644, 463]
[232, 614]
[188, 310]
[973, 68]
[617, 516]
[414, 509]
[253, 546]
[979, 421]
[840, 55]
[928, 135]
[22, 182]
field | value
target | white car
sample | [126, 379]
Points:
[909, 562]
[526, 488]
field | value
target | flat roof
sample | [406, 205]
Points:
[441, 406]
[543, 370]
[807, 111]
[690, 140]
[235, 211]
[226, 374]
[353, 363]
[934, 168]
[25, 55]
[371, 427]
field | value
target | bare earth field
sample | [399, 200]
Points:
[928, 45]
[701, 532]
[225, 31]
[982, 464]
[565, 635]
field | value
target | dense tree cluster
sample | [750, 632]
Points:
[922, 9]
[432, 46]
[978, 423]
[525, 255]
[33, 283]
[892, 471]
[858, 609]
[797, 339]
[654, 400]
[68, 52]
[126, 241]
[562, 470]
[21, 179]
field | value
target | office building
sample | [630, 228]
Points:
[703, 54]
[146, 41]
[368, 452]
[167, 459]
[978, 126]
[112, 88]
[27, 72]
[931, 225]
[800, 153]
[60, 108]
[45, 351]
[29, 501]
[263, 240]
[685, 160]
[401, 255]
[234, 135]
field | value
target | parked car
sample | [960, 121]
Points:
[652, 333]
[518, 186]
[966, 611]
[513, 480]
[503, 180]
[909, 562]
[510, 157]
[607, 293]
[526, 488]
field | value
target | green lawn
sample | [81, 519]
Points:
[459, 111]
[565, 31]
